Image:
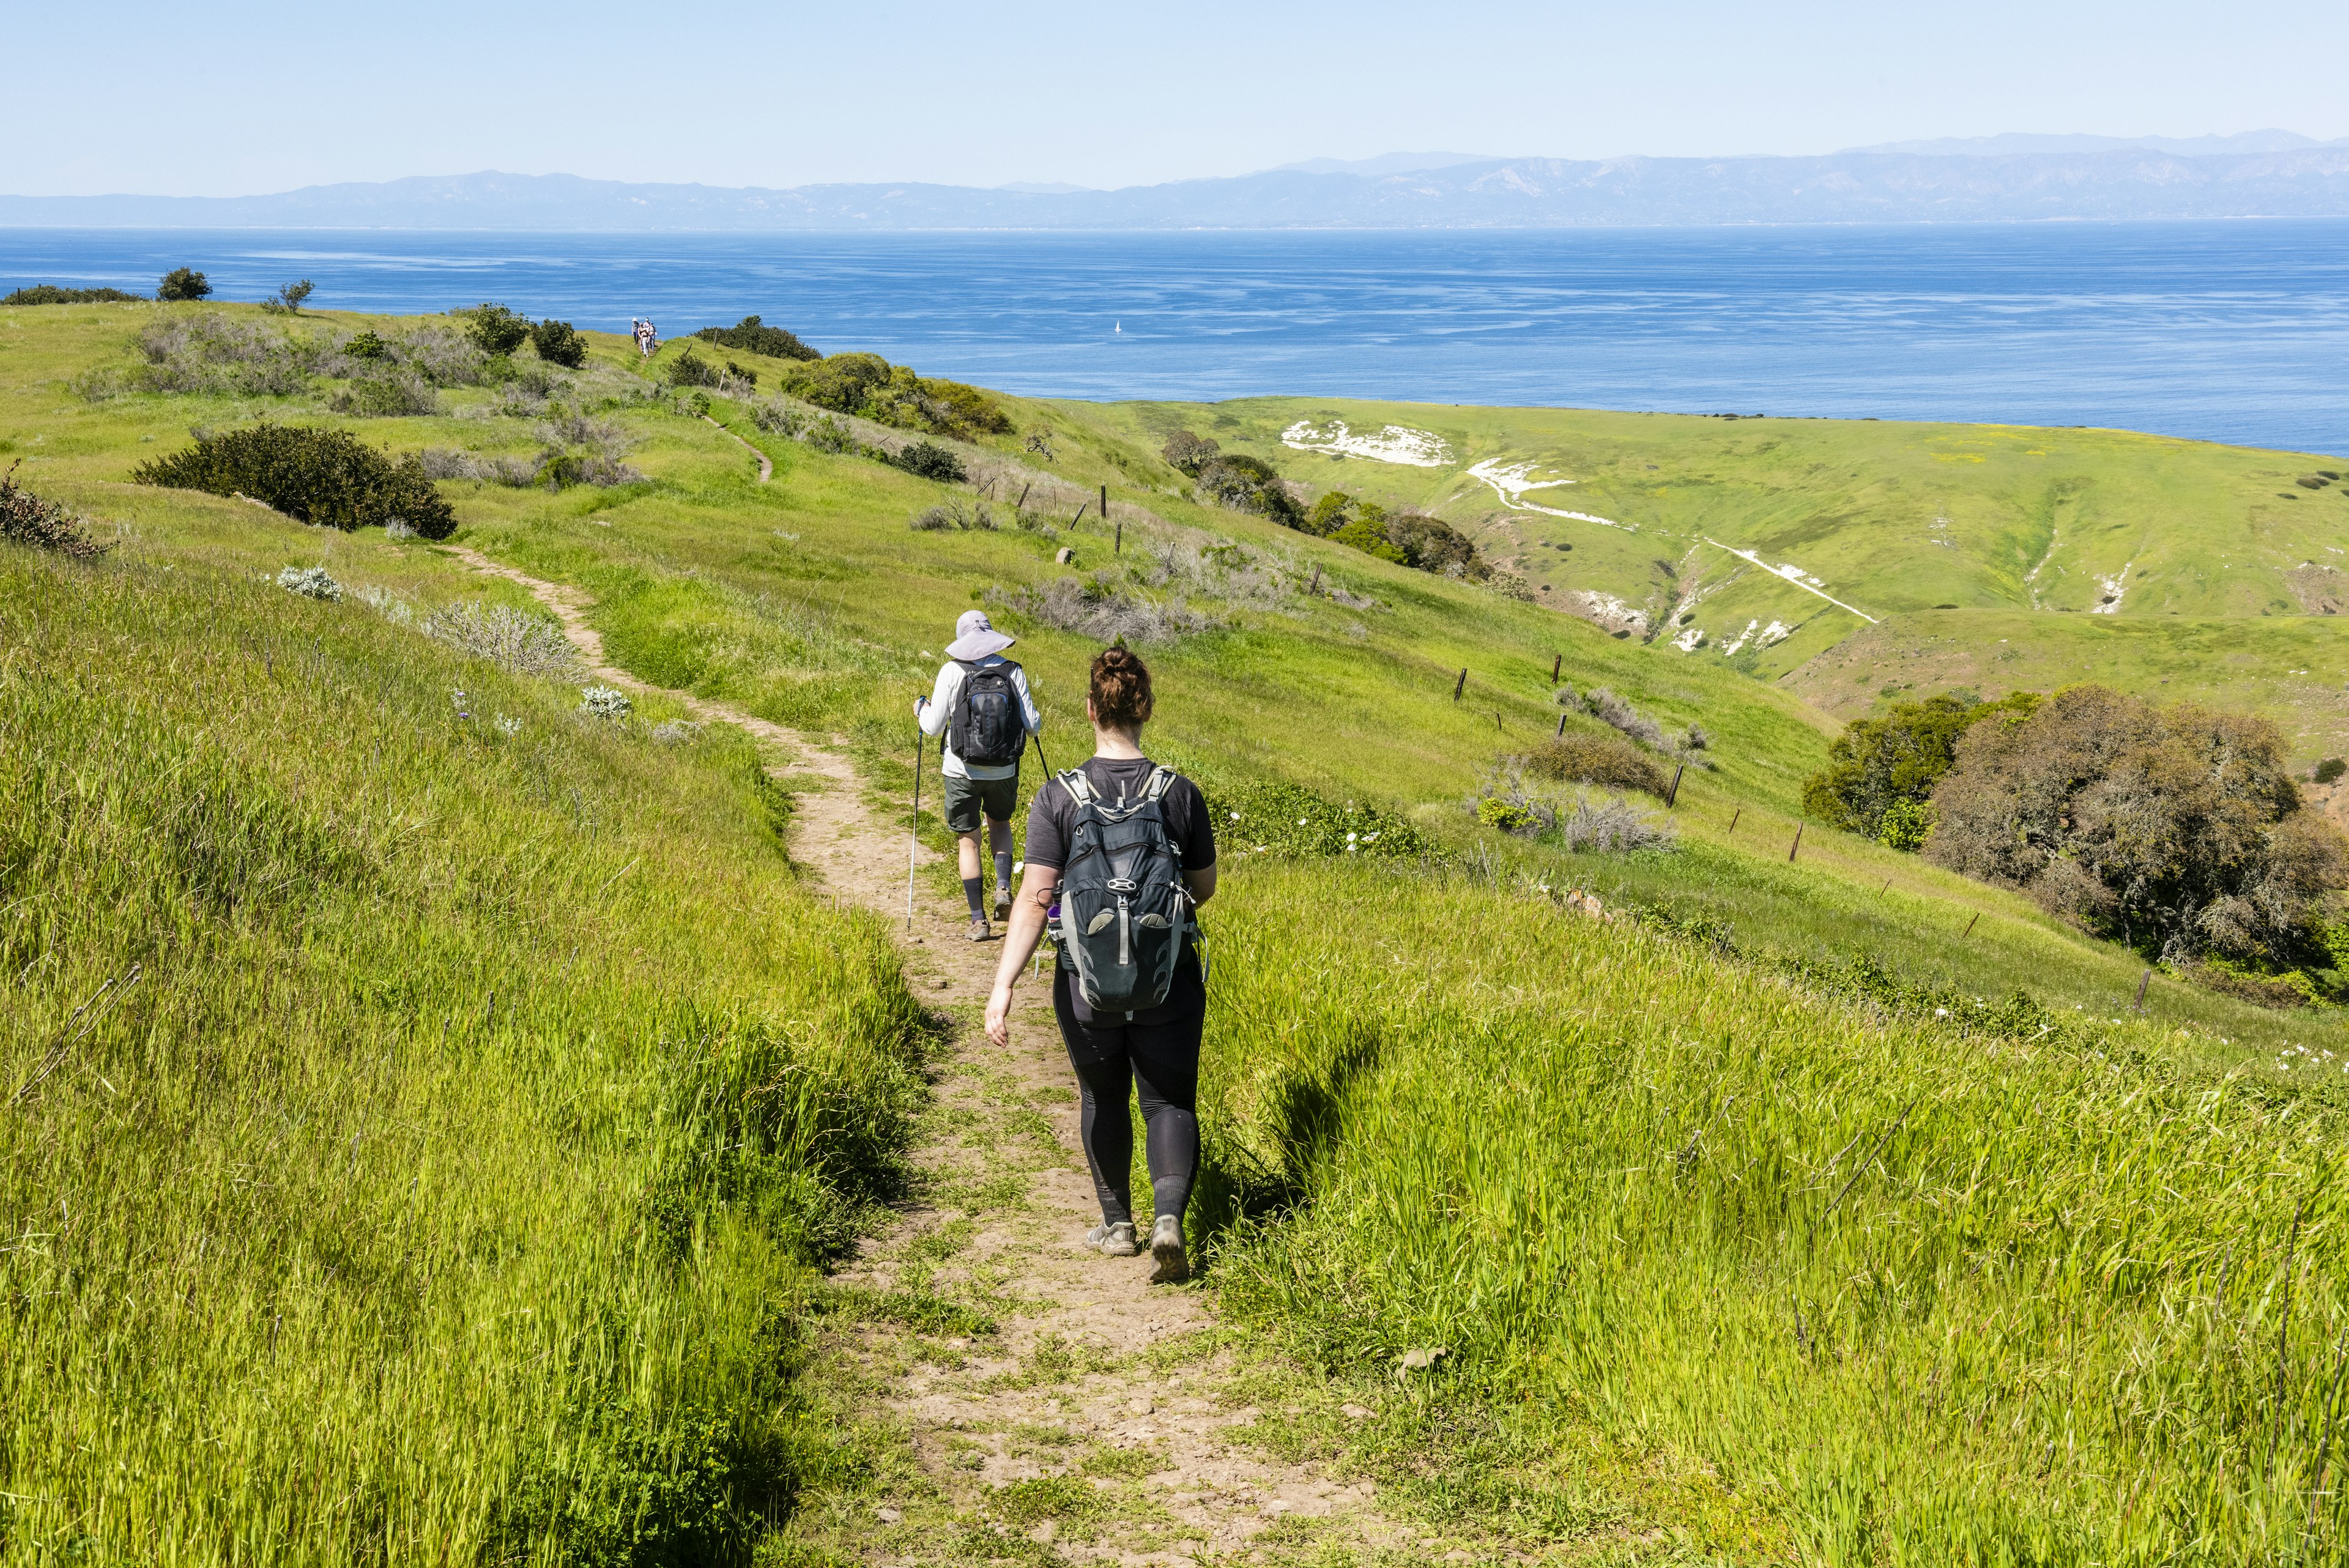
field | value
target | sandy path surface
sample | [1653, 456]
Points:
[1123, 1391]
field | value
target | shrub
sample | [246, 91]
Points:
[1283, 819]
[210, 353]
[954, 513]
[366, 346]
[1245, 483]
[1187, 453]
[1877, 763]
[321, 476]
[28, 519]
[2330, 768]
[930, 461]
[869, 385]
[390, 396]
[311, 583]
[50, 294]
[604, 701]
[495, 329]
[779, 418]
[559, 343]
[828, 434]
[182, 284]
[753, 337]
[1579, 756]
[287, 300]
[2177, 825]
[1099, 610]
[1906, 825]
[690, 369]
[1510, 800]
[522, 643]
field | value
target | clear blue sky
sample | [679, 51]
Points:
[245, 97]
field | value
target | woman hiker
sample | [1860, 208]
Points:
[982, 703]
[1120, 851]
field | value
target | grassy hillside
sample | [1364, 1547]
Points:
[1605, 1168]
[1890, 519]
[426, 1102]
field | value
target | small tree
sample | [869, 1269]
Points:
[289, 297]
[559, 343]
[931, 460]
[1188, 453]
[182, 284]
[495, 329]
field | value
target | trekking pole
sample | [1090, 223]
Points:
[914, 834]
[1040, 757]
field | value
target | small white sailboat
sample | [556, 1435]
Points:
[1117, 326]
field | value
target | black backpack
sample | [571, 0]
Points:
[1123, 907]
[987, 727]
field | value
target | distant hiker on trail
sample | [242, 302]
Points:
[648, 341]
[982, 703]
[1119, 852]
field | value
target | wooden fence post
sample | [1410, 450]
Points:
[1459, 686]
[1496, 718]
[1080, 514]
[1796, 846]
[1104, 501]
[1733, 815]
[1119, 550]
[1561, 724]
[1673, 793]
[1969, 926]
[1556, 663]
[1021, 504]
[2144, 980]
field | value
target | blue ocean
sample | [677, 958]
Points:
[2234, 331]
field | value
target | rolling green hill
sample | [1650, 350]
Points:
[1726, 529]
[1831, 1184]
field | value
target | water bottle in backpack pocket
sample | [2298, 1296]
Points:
[987, 727]
[1123, 907]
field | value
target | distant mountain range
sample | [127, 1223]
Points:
[2000, 178]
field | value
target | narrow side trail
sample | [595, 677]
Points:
[1100, 1419]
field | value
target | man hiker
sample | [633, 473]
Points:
[1119, 852]
[982, 707]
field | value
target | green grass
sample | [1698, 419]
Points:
[439, 1125]
[1924, 1296]
[1599, 1165]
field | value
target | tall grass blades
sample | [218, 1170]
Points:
[415, 1132]
[1930, 1298]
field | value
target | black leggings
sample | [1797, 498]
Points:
[1162, 1062]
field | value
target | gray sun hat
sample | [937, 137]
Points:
[976, 636]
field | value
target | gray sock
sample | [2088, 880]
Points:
[1003, 868]
[974, 889]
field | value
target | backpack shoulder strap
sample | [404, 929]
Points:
[1162, 779]
[1080, 788]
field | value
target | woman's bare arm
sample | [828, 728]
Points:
[1037, 885]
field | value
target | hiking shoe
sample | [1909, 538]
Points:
[1174, 1264]
[979, 931]
[1003, 903]
[1113, 1240]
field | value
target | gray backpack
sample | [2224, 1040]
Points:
[1124, 906]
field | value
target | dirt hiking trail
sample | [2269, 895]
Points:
[1102, 1419]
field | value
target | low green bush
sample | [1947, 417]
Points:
[182, 282]
[50, 294]
[690, 369]
[753, 337]
[559, 343]
[1583, 757]
[323, 476]
[495, 329]
[930, 461]
[29, 519]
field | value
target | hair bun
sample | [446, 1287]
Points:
[1121, 688]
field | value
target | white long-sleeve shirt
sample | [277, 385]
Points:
[939, 712]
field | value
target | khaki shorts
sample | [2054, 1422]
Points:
[966, 799]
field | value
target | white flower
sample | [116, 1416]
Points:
[1300, 821]
[1236, 816]
[1940, 1013]
[1350, 837]
[509, 726]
